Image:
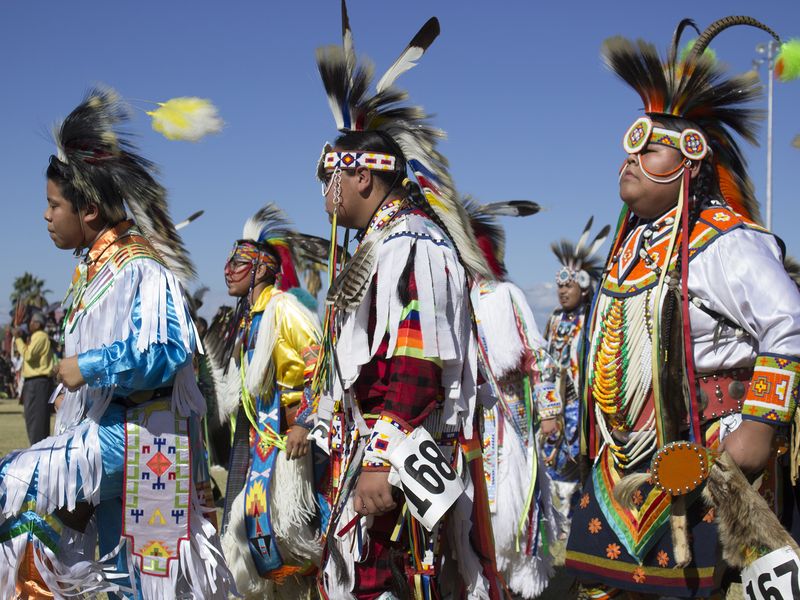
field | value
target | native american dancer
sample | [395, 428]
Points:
[519, 378]
[399, 363]
[560, 421]
[125, 469]
[263, 365]
[692, 367]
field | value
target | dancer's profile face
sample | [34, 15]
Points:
[237, 277]
[63, 220]
[349, 193]
[647, 198]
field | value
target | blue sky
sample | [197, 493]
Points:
[518, 85]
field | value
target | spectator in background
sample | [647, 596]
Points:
[37, 372]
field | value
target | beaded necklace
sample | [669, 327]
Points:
[621, 374]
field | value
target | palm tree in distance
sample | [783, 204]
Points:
[29, 291]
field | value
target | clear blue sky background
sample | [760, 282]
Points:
[518, 85]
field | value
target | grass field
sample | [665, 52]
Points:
[12, 427]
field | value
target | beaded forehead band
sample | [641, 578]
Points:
[566, 275]
[691, 143]
[352, 159]
[247, 252]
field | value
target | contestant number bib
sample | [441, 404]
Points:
[431, 486]
[775, 576]
[320, 435]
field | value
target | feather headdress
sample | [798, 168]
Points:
[695, 87]
[347, 82]
[581, 257]
[489, 233]
[297, 251]
[101, 162]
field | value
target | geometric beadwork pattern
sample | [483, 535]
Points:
[157, 486]
[772, 396]
[351, 160]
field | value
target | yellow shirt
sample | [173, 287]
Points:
[37, 355]
[296, 336]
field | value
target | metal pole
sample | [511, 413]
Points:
[770, 68]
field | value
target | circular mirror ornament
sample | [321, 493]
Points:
[680, 467]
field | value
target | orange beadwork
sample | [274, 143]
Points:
[607, 380]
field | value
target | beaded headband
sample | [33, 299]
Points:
[691, 143]
[247, 252]
[355, 159]
[566, 275]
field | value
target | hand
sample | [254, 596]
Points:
[69, 374]
[750, 445]
[296, 442]
[373, 495]
[58, 401]
[549, 427]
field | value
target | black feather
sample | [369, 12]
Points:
[581, 259]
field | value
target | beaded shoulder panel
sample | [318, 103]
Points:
[121, 252]
[636, 266]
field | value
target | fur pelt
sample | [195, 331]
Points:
[744, 519]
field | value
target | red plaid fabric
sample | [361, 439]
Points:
[408, 388]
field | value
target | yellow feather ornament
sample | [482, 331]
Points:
[186, 118]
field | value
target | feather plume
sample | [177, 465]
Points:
[347, 41]
[195, 300]
[598, 241]
[307, 253]
[350, 286]
[787, 63]
[186, 118]
[626, 487]
[269, 223]
[707, 53]
[584, 235]
[510, 208]
[189, 219]
[102, 163]
[355, 109]
[676, 38]
[720, 25]
[220, 332]
[698, 89]
[489, 233]
[580, 257]
[413, 52]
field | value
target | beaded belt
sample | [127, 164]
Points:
[723, 393]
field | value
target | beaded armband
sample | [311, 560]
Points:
[386, 433]
[548, 404]
[772, 397]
